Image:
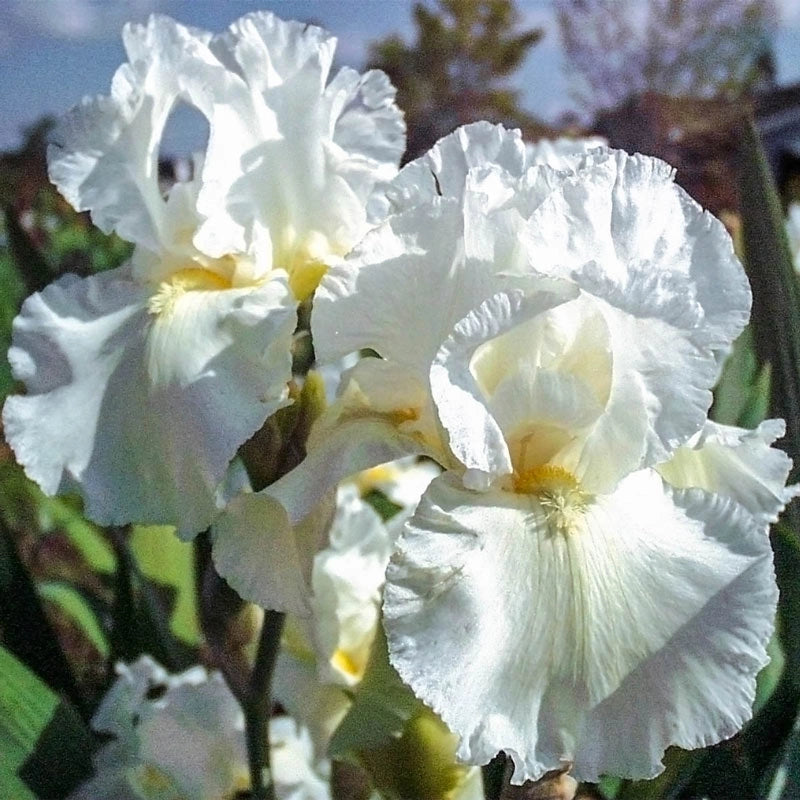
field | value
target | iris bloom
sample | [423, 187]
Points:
[142, 382]
[324, 656]
[182, 736]
[590, 579]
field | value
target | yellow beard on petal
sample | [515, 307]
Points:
[559, 494]
[192, 279]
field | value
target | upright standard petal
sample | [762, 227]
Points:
[443, 170]
[628, 235]
[402, 289]
[475, 438]
[517, 619]
[298, 165]
[141, 412]
[562, 153]
[105, 152]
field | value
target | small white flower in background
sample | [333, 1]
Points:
[181, 737]
[143, 382]
[793, 232]
[593, 565]
[324, 656]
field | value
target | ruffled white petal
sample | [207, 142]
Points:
[738, 464]
[703, 683]
[552, 385]
[674, 293]
[443, 170]
[293, 164]
[268, 52]
[347, 580]
[264, 557]
[563, 153]
[142, 412]
[382, 415]
[519, 634]
[121, 703]
[105, 153]
[455, 233]
[402, 289]
[195, 734]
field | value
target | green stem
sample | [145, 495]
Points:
[259, 704]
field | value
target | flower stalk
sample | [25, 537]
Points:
[258, 704]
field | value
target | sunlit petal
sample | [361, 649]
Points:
[736, 463]
[141, 412]
[517, 628]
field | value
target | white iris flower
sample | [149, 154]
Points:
[325, 655]
[143, 382]
[590, 579]
[181, 737]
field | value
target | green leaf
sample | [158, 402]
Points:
[46, 749]
[742, 394]
[769, 677]
[78, 609]
[141, 613]
[88, 539]
[26, 630]
[381, 504]
[776, 293]
[165, 559]
[609, 786]
[787, 573]
[783, 782]
[382, 706]
[24, 506]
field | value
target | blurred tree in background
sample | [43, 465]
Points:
[701, 48]
[457, 70]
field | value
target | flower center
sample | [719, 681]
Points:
[193, 279]
[559, 494]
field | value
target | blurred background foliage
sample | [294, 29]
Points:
[691, 81]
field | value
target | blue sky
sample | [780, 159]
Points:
[52, 52]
